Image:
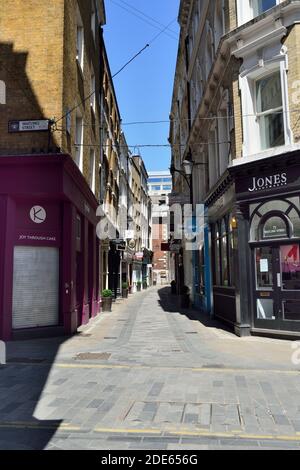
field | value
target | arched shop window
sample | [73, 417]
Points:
[277, 219]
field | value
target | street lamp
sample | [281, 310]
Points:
[187, 173]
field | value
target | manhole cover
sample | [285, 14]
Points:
[92, 357]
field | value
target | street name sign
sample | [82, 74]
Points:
[28, 126]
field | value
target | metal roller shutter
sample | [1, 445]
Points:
[36, 287]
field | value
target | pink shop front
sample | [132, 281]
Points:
[49, 251]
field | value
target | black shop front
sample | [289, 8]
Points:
[268, 209]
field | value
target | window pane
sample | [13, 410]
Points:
[275, 227]
[294, 218]
[265, 309]
[225, 277]
[263, 5]
[291, 310]
[271, 130]
[217, 263]
[264, 268]
[276, 205]
[269, 94]
[232, 247]
[290, 267]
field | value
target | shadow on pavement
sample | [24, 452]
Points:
[171, 303]
[22, 381]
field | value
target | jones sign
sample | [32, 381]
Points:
[268, 182]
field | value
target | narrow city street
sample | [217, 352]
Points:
[150, 376]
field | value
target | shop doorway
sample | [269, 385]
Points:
[277, 286]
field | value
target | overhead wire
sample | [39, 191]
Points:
[143, 19]
[147, 16]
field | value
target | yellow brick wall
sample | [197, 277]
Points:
[31, 51]
[293, 46]
[38, 64]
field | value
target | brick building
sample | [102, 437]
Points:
[234, 114]
[51, 70]
[160, 186]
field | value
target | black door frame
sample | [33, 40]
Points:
[278, 295]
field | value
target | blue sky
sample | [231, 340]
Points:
[144, 88]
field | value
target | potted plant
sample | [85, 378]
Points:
[107, 297]
[139, 286]
[185, 297]
[145, 285]
[125, 288]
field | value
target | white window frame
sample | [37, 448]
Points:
[79, 142]
[246, 11]
[260, 115]
[79, 40]
[251, 128]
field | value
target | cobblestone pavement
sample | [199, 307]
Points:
[150, 376]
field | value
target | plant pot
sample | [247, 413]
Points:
[125, 293]
[107, 304]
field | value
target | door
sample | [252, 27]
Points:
[35, 287]
[277, 287]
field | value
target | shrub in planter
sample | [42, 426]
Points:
[125, 289]
[107, 297]
[139, 286]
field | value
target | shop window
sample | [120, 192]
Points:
[224, 255]
[232, 246]
[269, 110]
[217, 257]
[277, 219]
[275, 227]
[290, 267]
